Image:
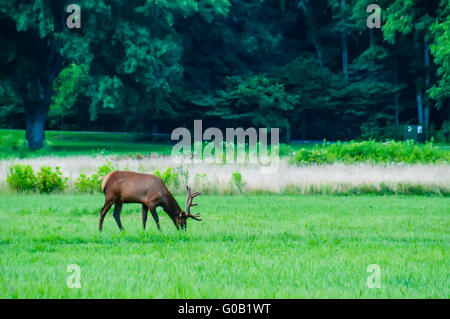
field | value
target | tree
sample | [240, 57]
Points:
[66, 87]
[440, 49]
[131, 68]
[34, 60]
[341, 12]
[414, 17]
[255, 100]
[313, 67]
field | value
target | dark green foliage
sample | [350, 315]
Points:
[439, 135]
[311, 68]
[257, 100]
[371, 131]
[372, 152]
[440, 91]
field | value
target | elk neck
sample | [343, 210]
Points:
[171, 206]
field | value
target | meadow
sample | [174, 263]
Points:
[67, 143]
[308, 231]
[265, 246]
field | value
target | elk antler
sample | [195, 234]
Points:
[189, 204]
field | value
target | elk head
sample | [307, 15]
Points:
[181, 220]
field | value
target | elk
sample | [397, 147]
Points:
[130, 187]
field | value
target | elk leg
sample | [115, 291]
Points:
[144, 215]
[117, 210]
[103, 212]
[152, 208]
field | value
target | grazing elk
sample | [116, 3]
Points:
[150, 191]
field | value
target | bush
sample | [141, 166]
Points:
[88, 184]
[169, 177]
[374, 132]
[49, 180]
[93, 183]
[21, 178]
[236, 180]
[105, 169]
[439, 135]
[372, 152]
[285, 150]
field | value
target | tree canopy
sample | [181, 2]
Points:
[312, 68]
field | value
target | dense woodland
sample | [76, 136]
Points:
[312, 68]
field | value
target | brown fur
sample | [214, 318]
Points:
[122, 187]
[105, 180]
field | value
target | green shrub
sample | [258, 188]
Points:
[378, 133]
[438, 135]
[93, 183]
[236, 180]
[21, 178]
[49, 181]
[169, 177]
[372, 152]
[285, 150]
[105, 169]
[88, 184]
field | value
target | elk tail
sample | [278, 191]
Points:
[105, 180]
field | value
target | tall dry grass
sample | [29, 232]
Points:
[311, 179]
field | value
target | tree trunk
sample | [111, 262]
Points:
[419, 80]
[37, 111]
[396, 93]
[35, 126]
[311, 29]
[397, 122]
[426, 58]
[371, 38]
[303, 125]
[318, 52]
[344, 47]
[419, 104]
[62, 124]
[344, 56]
[288, 133]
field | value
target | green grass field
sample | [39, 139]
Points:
[93, 143]
[84, 143]
[103, 143]
[245, 247]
